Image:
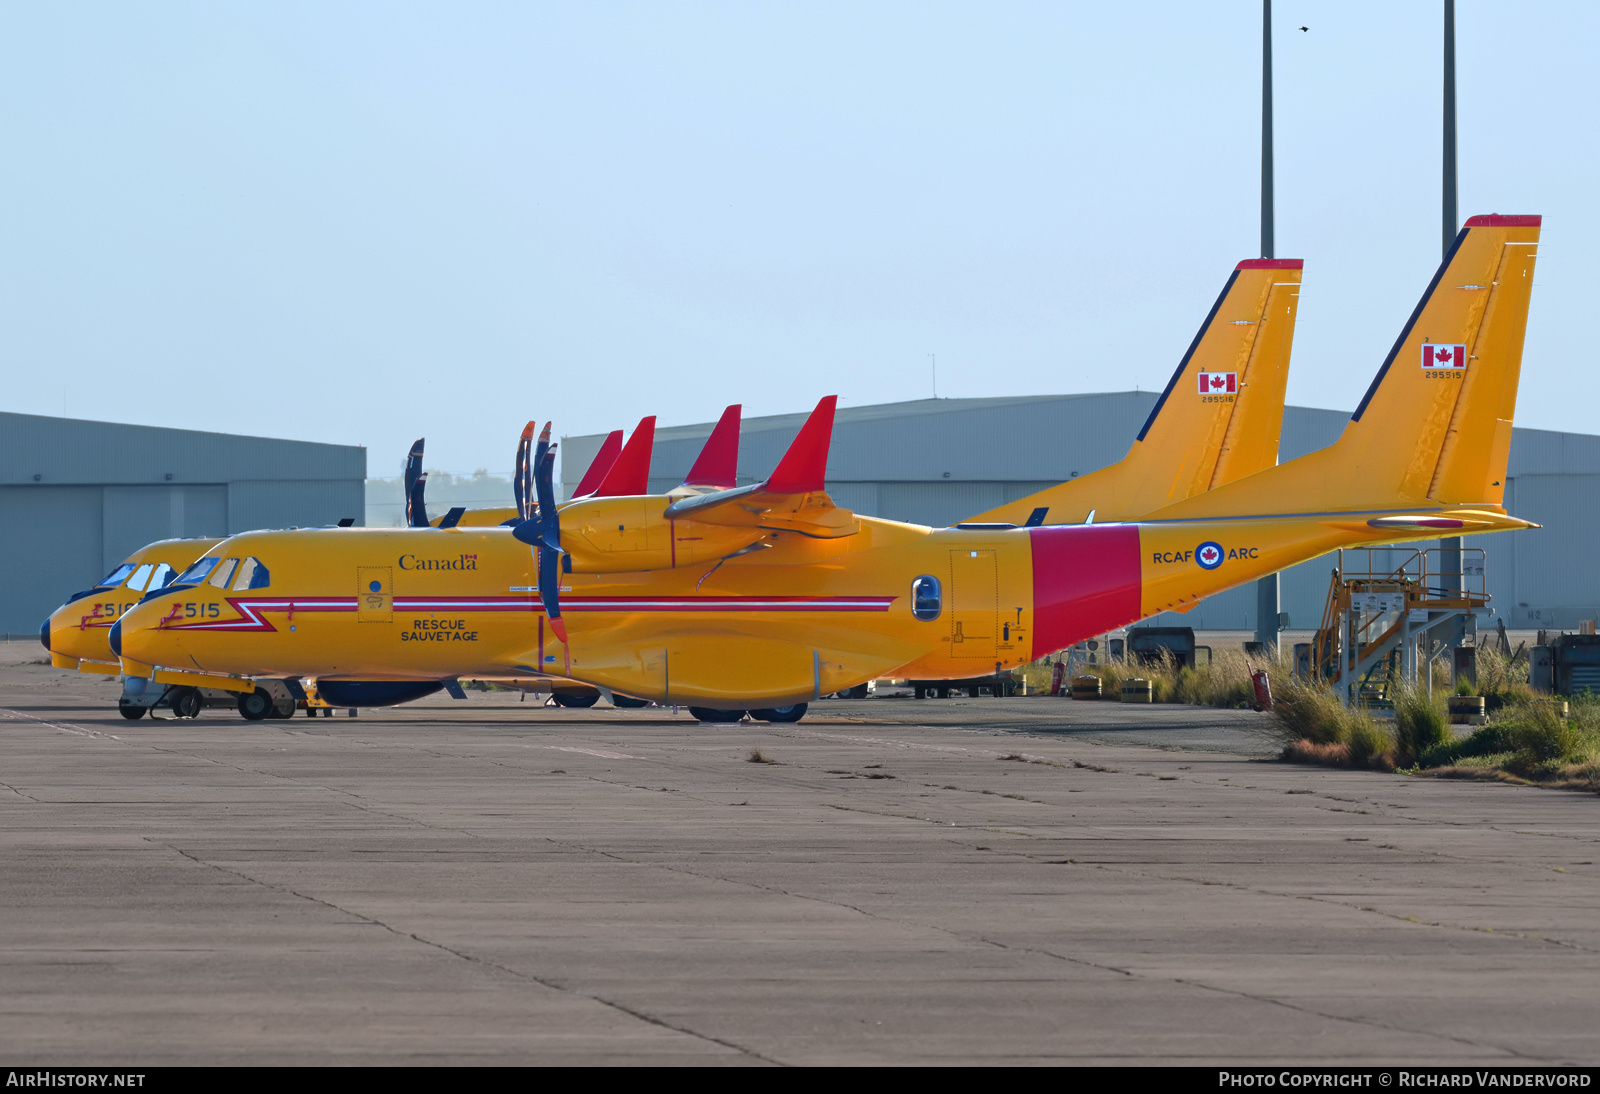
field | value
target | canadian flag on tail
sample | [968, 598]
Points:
[1219, 383]
[1443, 356]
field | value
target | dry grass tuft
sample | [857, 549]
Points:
[1316, 728]
[756, 757]
[1224, 682]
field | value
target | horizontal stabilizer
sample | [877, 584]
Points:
[718, 464]
[630, 474]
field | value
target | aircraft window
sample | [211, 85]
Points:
[140, 576]
[159, 579]
[925, 598]
[252, 575]
[220, 576]
[195, 574]
[115, 577]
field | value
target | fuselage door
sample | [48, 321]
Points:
[973, 597]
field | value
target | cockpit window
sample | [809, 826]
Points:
[252, 575]
[197, 573]
[115, 577]
[140, 576]
[926, 601]
[220, 576]
[159, 579]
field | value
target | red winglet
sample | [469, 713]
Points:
[805, 466]
[1272, 264]
[718, 464]
[1499, 220]
[630, 474]
[602, 462]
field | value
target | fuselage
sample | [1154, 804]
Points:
[79, 629]
[799, 618]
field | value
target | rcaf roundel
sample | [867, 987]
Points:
[1443, 356]
[1219, 383]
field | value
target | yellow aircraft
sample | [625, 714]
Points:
[761, 598]
[76, 634]
[1218, 420]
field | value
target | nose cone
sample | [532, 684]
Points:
[116, 638]
[44, 634]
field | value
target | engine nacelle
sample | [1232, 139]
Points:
[626, 534]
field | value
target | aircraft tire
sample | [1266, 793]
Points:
[256, 705]
[780, 714]
[130, 711]
[563, 699]
[720, 717]
[186, 702]
[628, 702]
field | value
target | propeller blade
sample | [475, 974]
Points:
[413, 464]
[550, 589]
[412, 480]
[544, 484]
[416, 510]
[519, 476]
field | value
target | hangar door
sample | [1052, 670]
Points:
[137, 515]
[49, 549]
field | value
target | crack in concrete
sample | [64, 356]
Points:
[518, 974]
[1040, 951]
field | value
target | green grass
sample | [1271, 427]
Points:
[1529, 739]
[1421, 722]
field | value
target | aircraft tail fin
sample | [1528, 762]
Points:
[1435, 424]
[804, 466]
[630, 474]
[603, 459]
[1218, 419]
[718, 463]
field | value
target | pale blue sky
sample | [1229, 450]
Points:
[360, 223]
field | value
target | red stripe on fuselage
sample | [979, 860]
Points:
[1085, 582]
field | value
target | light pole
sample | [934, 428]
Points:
[1267, 587]
[1450, 546]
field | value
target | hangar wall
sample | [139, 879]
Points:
[939, 461]
[77, 497]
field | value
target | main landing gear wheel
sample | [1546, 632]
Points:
[780, 714]
[256, 705]
[186, 702]
[706, 714]
[566, 699]
[130, 711]
[628, 702]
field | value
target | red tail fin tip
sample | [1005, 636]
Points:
[718, 463]
[601, 463]
[805, 466]
[630, 474]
